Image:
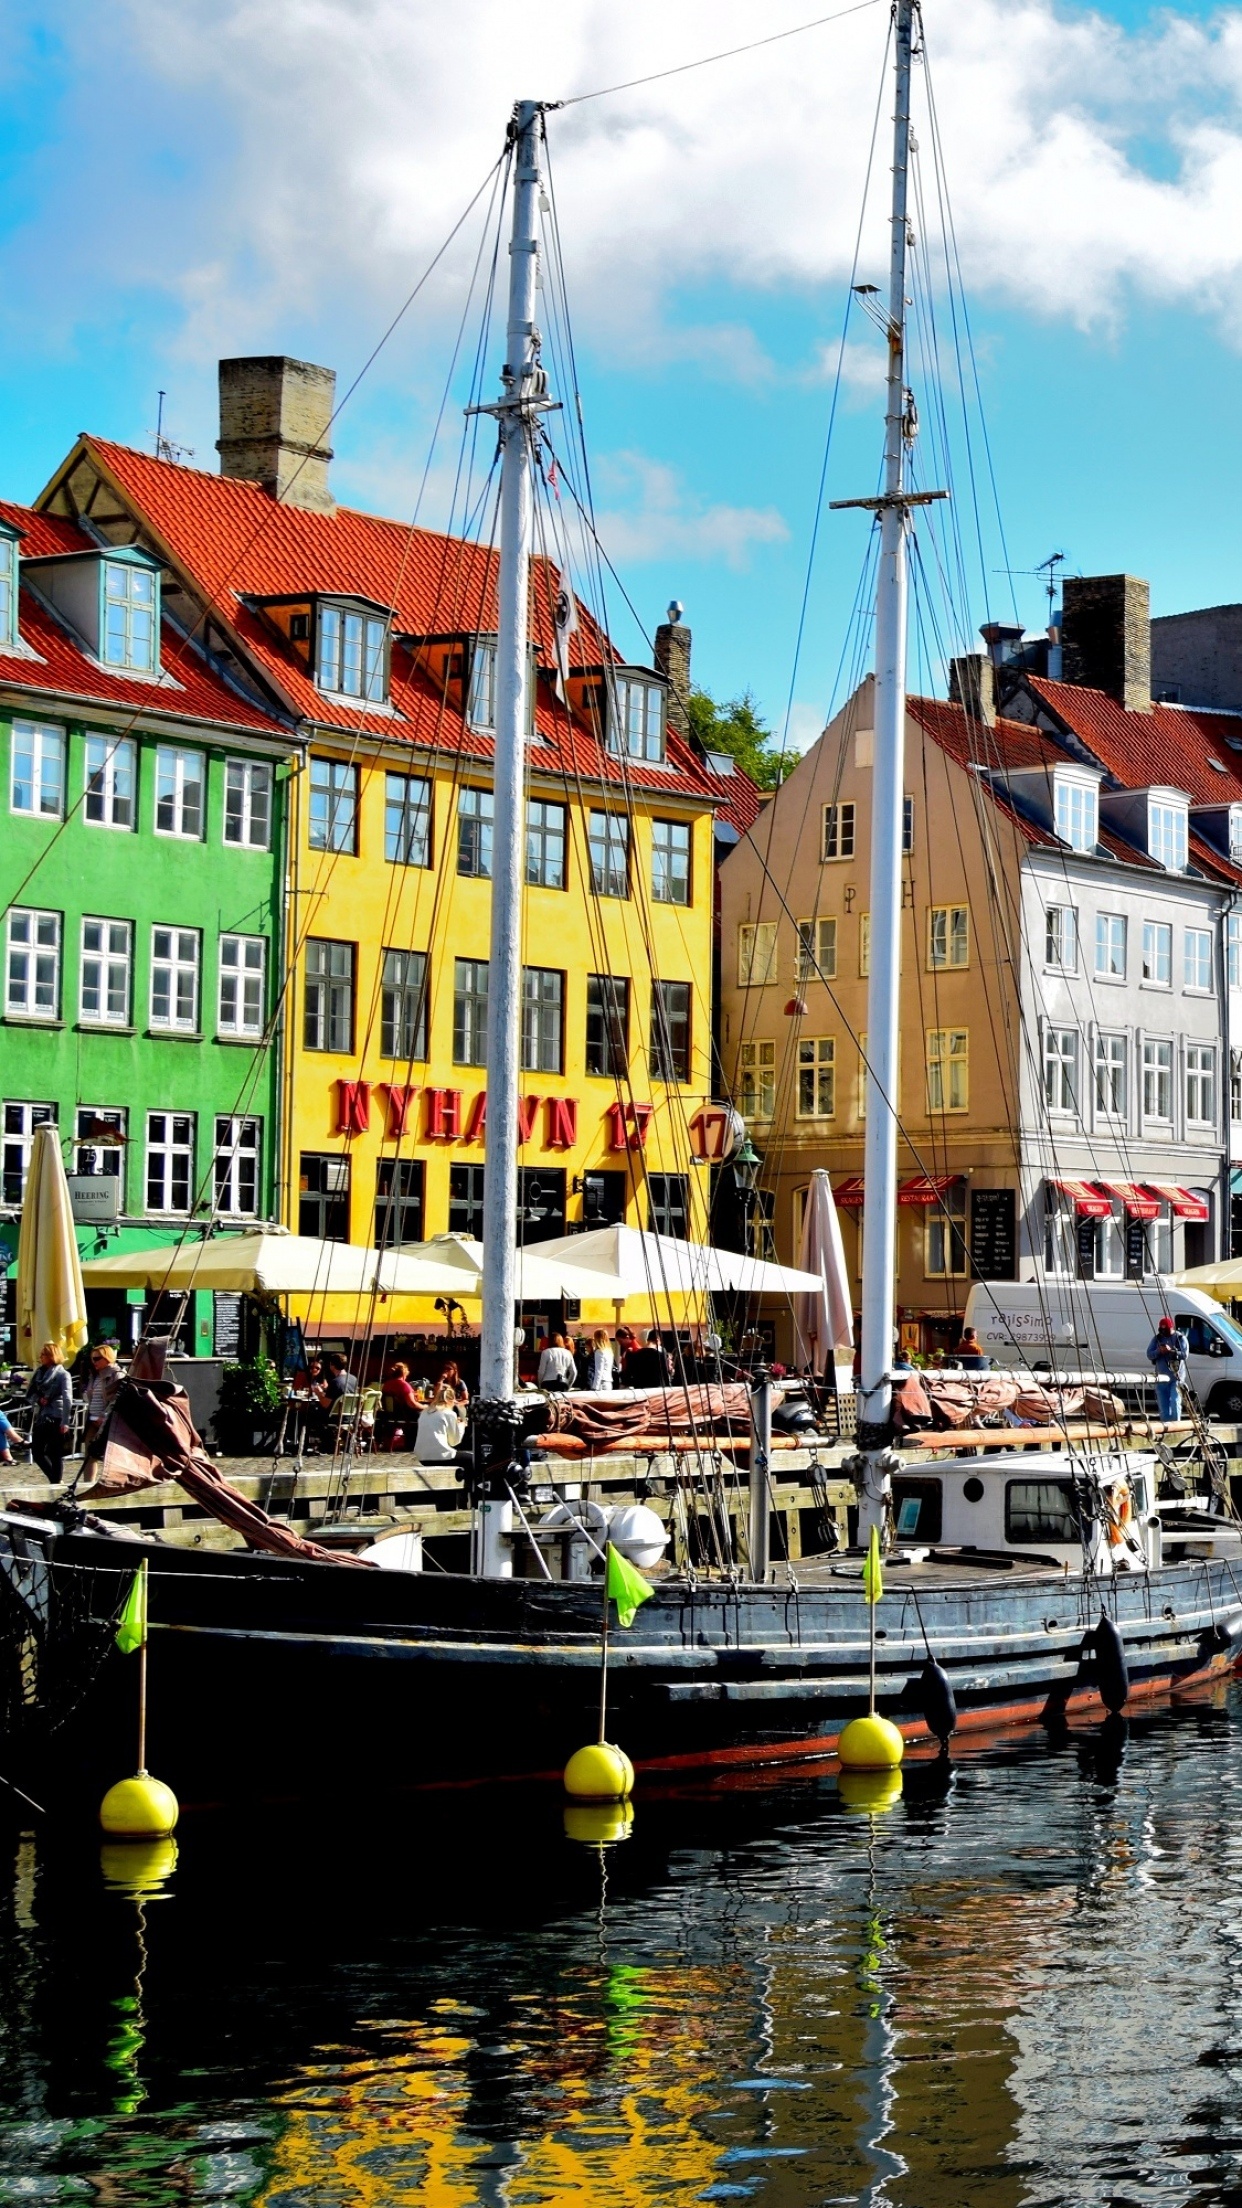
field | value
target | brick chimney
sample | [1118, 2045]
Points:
[1106, 637]
[274, 416]
[972, 684]
[672, 658]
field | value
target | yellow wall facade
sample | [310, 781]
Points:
[361, 899]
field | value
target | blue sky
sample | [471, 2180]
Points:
[185, 178]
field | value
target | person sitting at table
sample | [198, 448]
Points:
[399, 1408]
[337, 1381]
[440, 1428]
[450, 1377]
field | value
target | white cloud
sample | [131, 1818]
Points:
[647, 513]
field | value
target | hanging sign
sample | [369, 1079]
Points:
[95, 1198]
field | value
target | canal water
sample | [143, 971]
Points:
[1020, 1982]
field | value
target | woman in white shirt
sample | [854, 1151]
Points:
[440, 1428]
[601, 1360]
[557, 1370]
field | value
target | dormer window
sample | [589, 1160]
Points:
[1077, 812]
[1166, 834]
[110, 598]
[1235, 831]
[481, 703]
[8, 588]
[351, 657]
[129, 616]
[636, 718]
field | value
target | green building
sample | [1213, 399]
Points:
[142, 871]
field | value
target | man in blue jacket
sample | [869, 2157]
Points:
[1166, 1353]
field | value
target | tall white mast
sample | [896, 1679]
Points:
[523, 399]
[879, 1304]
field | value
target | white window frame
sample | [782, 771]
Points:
[18, 1121]
[1235, 1086]
[481, 698]
[1167, 835]
[1076, 811]
[1061, 939]
[237, 1159]
[1061, 1055]
[1157, 935]
[948, 1055]
[1060, 1235]
[131, 591]
[864, 946]
[837, 832]
[817, 950]
[108, 1157]
[250, 782]
[945, 1255]
[106, 962]
[109, 760]
[10, 572]
[672, 848]
[1112, 1074]
[1112, 946]
[46, 745]
[948, 937]
[32, 964]
[1233, 949]
[816, 1095]
[1197, 961]
[241, 993]
[756, 1079]
[179, 964]
[351, 653]
[168, 1145]
[757, 953]
[637, 702]
[1157, 1074]
[177, 771]
[1200, 1084]
[1109, 1258]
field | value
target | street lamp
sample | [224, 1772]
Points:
[747, 1166]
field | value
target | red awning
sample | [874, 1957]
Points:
[1139, 1202]
[1089, 1201]
[926, 1188]
[1180, 1201]
[850, 1193]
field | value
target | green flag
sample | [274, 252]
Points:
[626, 1587]
[131, 1633]
[873, 1577]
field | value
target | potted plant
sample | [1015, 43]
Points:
[250, 1398]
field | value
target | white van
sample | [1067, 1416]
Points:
[1105, 1326]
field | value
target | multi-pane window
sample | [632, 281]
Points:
[545, 844]
[248, 803]
[1157, 1078]
[543, 1019]
[111, 781]
[170, 1161]
[639, 726]
[948, 936]
[668, 1196]
[756, 1080]
[608, 1024]
[469, 1011]
[1061, 938]
[1197, 973]
[1060, 1234]
[407, 819]
[398, 1202]
[1235, 1084]
[608, 841]
[20, 1122]
[99, 1139]
[1061, 1069]
[129, 616]
[328, 1005]
[403, 1005]
[243, 973]
[179, 791]
[838, 832]
[37, 779]
[1201, 1084]
[1111, 1086]
[948, 1069]
[670, 1030]
[466, 1201]
[1233, 940]
[1109, 1255]
[105, 983]
[1076, 807]
[817, 1077]
[817, 950]
[481, 703]
[944, 1248]
[907, 824]
[237, 1159]
[174, 978]
[1110, 946]
[323, 1195]
[756, 953]
[1158, 952]
[670, 862]
[864, 944]
[351, 657]
[333, 822]
[1166, 836]
[475, 814]
[32, 967]
[8, 589]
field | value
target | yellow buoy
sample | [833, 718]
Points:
[869, 1791]
[141, 1808]
[870, 1744]
[138, 1866]
[599, 1773]
[598, 1823]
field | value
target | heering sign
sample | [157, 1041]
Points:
[95, 1198]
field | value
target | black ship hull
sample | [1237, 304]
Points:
[272, 1676]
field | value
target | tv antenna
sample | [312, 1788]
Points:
[1047, 568]
[164, 446]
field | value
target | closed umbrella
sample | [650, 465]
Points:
[824, 1317]
[51, 1303]
[268, 1262]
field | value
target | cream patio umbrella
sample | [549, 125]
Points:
[644, 1264]
[268, 1262]
[540, 1278]
[51, 1304]
[1223, 1279]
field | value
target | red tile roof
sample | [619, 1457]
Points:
[234, 541]
[63, 669]
[1172, 744]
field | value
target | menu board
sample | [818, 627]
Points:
[228, 1325]
[993, 1233]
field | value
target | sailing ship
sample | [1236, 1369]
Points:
[1048, 1591]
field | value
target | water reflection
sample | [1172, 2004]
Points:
[1012, 1981]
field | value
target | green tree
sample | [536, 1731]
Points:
[736, 727]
